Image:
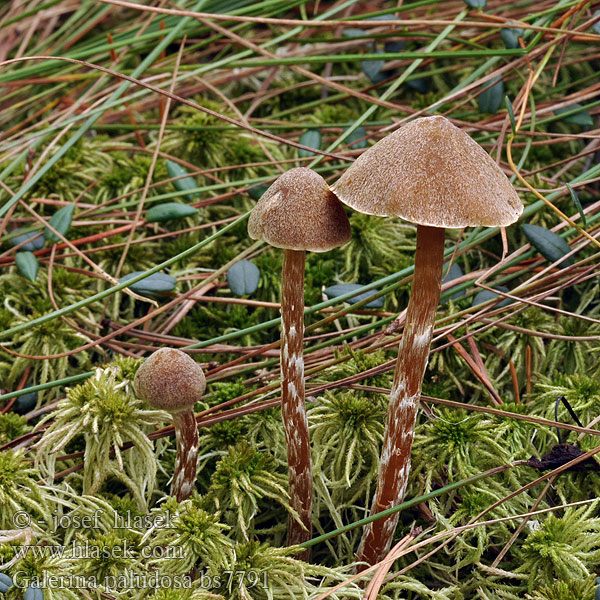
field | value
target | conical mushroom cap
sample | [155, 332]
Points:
[432, 173]
[170, 380]
[300, 212]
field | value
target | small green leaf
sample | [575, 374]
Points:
[551, 246]
[185, 183]
[5, 582]
[511, 114]
[343, 288]
[577, 204]
[61, 221]
[28, 265]
[33, 593]
[454, 273]
[420, 84]
[373, 69]
[257, 191]
[490, 100]
[596, 25]
[169, 211]
[353, 32]
[25, 403]
[243, 278]
[312, 139]
[579, 117]
[35, 244]
[486, 295]
[357, 134]
[510, 37]
[157, 283]
[476, 3]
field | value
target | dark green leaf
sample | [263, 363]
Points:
[420, 85]
[312, 139]
[357, 134]
[454, 273]
[577, 204]
[343, 288]
[243, 278]
[25, 403]
[61, 221]
[35, 244]
[33, 593]
[476, 3]
[490, 100]
[28, 265]
[596, 25]
[373, 69]
[353, 32]
[168, 211]
[486, 295]
[510, 37]
[5, 582]
[257, 191]
[388, 17]
[394, 46]
[185, 183]
[156, 283]
[551, 246]
[580, 117]
[511, 114]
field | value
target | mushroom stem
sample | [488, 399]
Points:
[293, 410]
[413, 354]
[186, 436]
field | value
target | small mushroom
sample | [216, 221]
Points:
[297, 213]
[171, 380]
[433, 174]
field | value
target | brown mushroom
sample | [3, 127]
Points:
[297, 213]
[171, 380]
[433, 174]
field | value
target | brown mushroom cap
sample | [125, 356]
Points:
[170, 380]
[431, 173]
[300, 212]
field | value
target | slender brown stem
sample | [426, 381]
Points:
[413, 354]
[186, 436]
[293, 410]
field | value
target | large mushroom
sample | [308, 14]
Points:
[432, 174]
[297, 213]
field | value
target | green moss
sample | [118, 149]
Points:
[12, 426]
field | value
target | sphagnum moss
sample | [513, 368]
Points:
[104, 411]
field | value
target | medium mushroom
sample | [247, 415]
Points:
[432, 174]
[171, 380]
[297, 213]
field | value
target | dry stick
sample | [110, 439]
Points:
[293, 409]
[413, 354]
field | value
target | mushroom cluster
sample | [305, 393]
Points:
[428, 172]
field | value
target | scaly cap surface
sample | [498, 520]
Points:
[300, 212]
[430, 172]
[170, 380]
